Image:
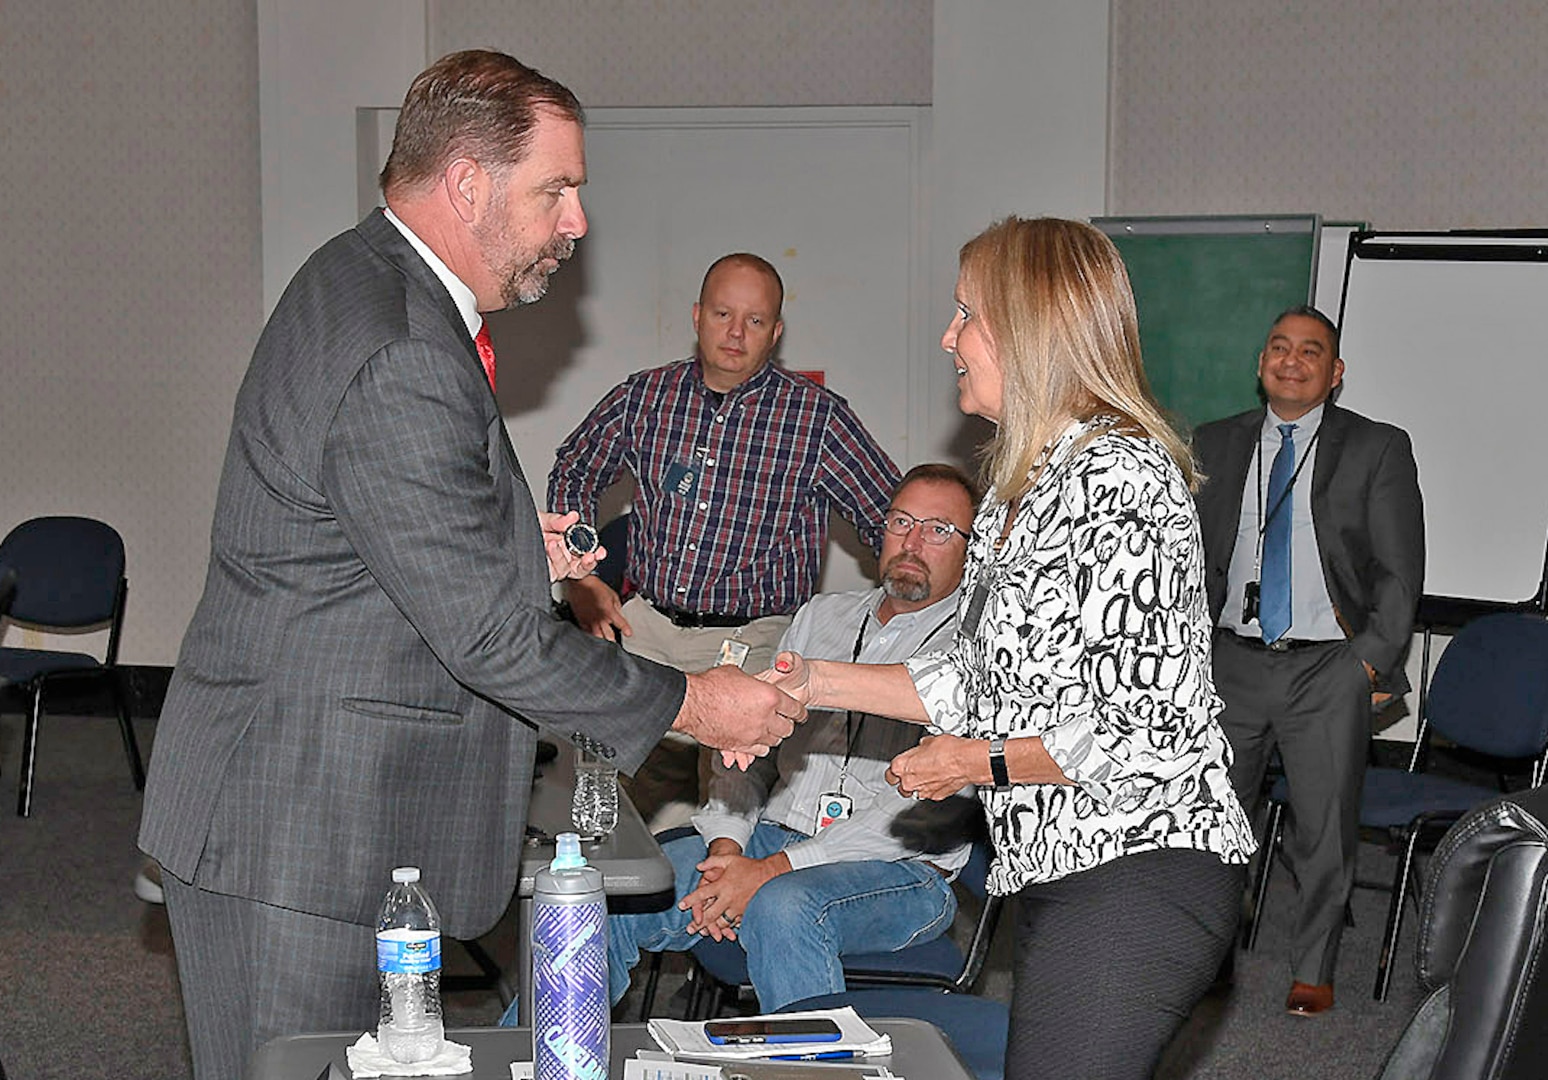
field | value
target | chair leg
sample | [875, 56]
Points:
[126, 729]
[29, 753]
[1395, 916]
[648, 1002]
[1276, 821]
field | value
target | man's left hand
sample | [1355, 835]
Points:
[725, 890]
[562, 562]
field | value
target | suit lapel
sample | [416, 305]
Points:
[1238, 456]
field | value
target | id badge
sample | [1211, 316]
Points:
[682, 480]
[733, 653]
[833, 806]
[987, 581]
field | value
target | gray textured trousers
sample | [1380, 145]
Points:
[264, 971]
[1110, 962]
[1315, 703]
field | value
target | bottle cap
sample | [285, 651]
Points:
[567, 854]
[406, 875]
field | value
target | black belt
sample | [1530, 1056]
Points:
[697, 620]
[1282, 645]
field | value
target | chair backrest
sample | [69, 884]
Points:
[70, 572]
[1482, 949]
[973, 877]
[1490, 689]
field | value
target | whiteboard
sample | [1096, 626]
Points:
[829, 196]
[1443, 336]
[1332, 253]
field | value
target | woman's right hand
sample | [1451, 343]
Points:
[792, 674]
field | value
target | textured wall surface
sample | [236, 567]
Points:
[129, 277]
[707, 52]
[1411, 114]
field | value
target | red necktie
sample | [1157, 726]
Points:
[486, 352]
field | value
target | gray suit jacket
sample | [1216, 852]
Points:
[358, 687]
[1367, 514]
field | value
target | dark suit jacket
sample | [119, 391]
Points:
[1366, 512]
[359, 684]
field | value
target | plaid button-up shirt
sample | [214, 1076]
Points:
[734, 489]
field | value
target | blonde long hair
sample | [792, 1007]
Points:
[1055, 301]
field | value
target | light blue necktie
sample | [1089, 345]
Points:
[1274, 600]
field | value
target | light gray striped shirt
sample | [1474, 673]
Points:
[786, 787]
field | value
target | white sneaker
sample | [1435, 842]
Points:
[147, 883]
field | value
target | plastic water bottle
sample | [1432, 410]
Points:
[408, 963]
[571, 1022]
[594, 805]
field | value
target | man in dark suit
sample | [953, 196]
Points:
[361, 683]
[1314, 536]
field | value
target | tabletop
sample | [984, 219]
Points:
[919, 1052]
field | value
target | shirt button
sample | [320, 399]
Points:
[682, 588]
[693, 547]
[720, 419]
[709, 462]
[704, 506]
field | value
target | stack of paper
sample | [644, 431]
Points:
[855, 1035]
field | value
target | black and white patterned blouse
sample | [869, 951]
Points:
[1094, 635]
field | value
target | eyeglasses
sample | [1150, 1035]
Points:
[934, 530]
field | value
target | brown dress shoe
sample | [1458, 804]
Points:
[1308, 1000]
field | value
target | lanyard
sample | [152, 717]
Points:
[852, 726]
[1263, 521]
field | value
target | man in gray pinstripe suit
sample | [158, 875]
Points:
[360, 684]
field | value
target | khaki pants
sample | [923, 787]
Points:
[676, 770]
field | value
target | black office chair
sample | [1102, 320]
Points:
[69, 577]
[1489, 694]
[1483, 943]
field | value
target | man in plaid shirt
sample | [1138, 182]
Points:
[736, 464]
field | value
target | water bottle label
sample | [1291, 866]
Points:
[411, 952]
[571, 1020]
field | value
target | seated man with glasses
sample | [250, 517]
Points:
[811, 855]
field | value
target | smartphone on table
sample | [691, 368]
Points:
[794, 1029]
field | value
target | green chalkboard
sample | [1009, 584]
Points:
[1207, 290]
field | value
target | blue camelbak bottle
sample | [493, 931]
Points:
[571, 1026]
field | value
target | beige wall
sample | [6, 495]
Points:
[1424, 114]
[129, 276]
[681, 53]
[130, 272]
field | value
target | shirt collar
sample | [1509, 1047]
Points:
[1305, 426]
[462, 296]
[938, 610]
[751, 385]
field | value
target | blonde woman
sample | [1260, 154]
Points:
[1077, 694]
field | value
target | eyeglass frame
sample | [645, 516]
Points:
[931, 534]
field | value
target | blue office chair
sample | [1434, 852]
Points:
[1489, 694]
[939, 964]
[69, 577]
[976, 1027]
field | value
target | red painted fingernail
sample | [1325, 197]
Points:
[782, 665]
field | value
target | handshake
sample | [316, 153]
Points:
[745, 716]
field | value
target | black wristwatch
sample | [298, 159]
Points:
[997, 762]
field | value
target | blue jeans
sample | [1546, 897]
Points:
[799, 924]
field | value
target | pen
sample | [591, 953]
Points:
[825, 1055]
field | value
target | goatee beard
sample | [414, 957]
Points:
[529, 284]
[910, 589]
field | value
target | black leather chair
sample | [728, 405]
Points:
[1481, 950]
